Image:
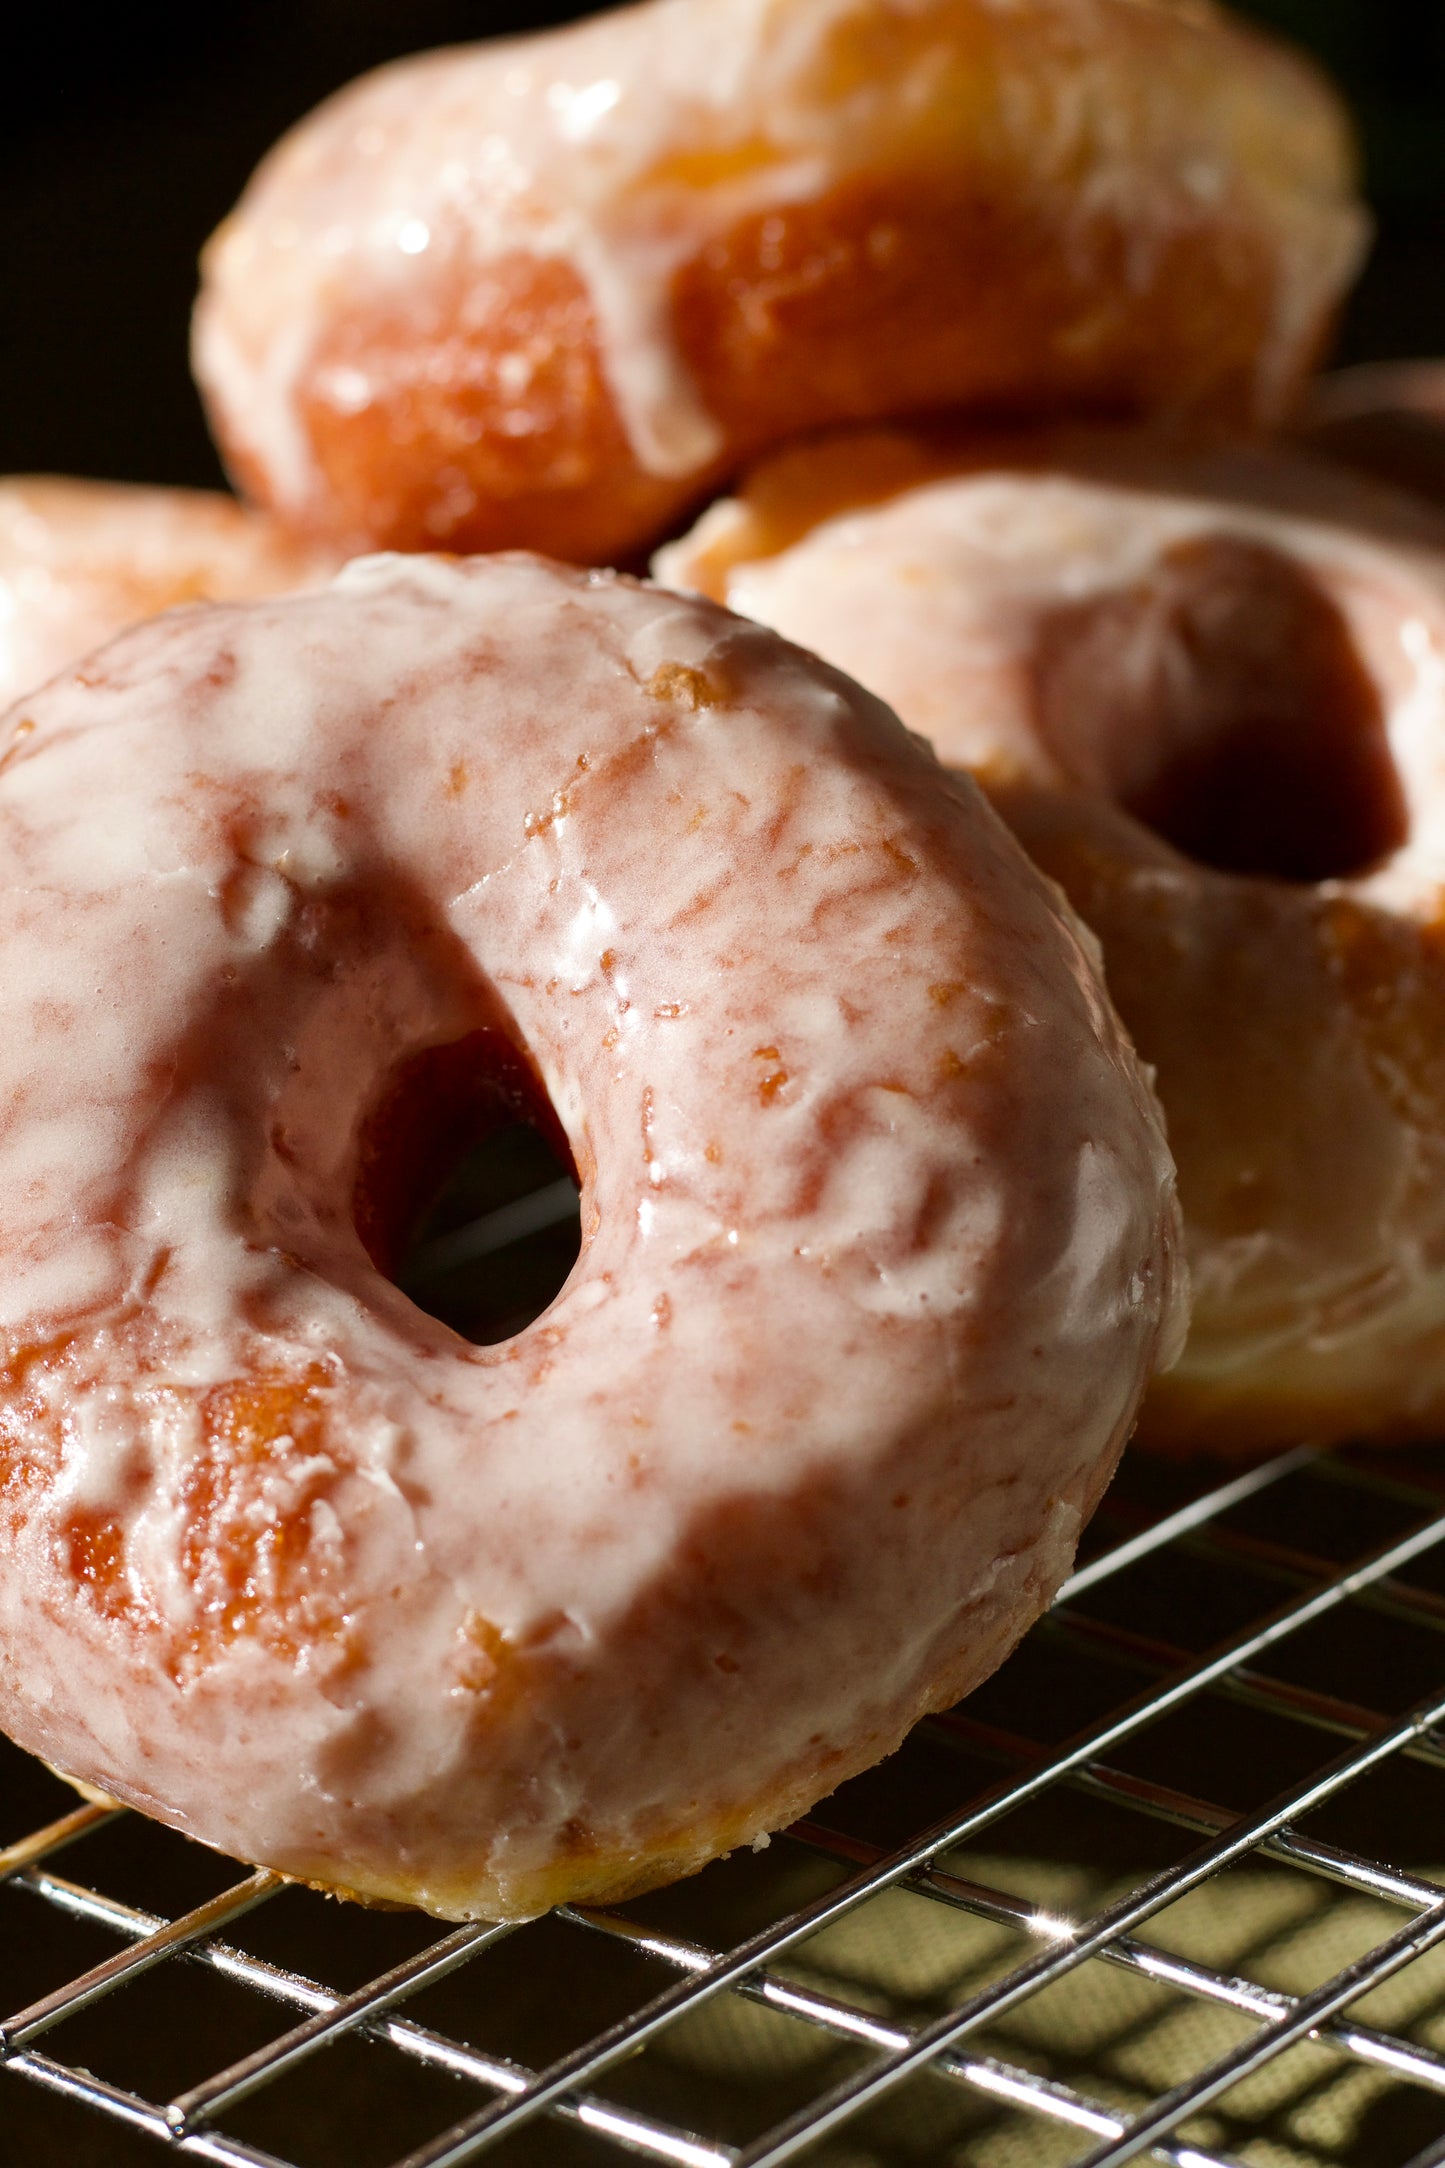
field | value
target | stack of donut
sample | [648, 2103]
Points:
[304, 889]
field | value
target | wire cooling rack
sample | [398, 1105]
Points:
[1168, 1887]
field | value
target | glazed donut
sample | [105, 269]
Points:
[79, 561]
[549, 292]
[878, 1245]
[1208, 692]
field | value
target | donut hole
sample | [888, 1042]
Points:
[500, 1239]
[1223, 702]
[467, 1194]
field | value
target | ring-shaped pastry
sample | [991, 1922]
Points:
[1207, 689]
[548, 292]
[878, 1231]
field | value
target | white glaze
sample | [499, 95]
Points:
[1305, 1088]
[804, 1441]
[625, 144]
[80, 561]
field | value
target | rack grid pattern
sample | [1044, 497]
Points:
[1240, 1694]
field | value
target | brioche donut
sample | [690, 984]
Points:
[548, 292]
[80, 561]
[1208, 692]
[878, 1232]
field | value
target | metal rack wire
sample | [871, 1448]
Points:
[1127, 1902]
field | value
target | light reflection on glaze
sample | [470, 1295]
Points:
[806, 1438]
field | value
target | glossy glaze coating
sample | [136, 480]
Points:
[1208, 691]
[878, 1233]
[80, 561]
[548, 291]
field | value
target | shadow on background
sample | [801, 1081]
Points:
[127, 139]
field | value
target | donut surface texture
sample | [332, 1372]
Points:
[1207, 690]
[79, 561]
[878, 1233]
[549, 292]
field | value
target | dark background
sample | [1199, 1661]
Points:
[123, 142]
